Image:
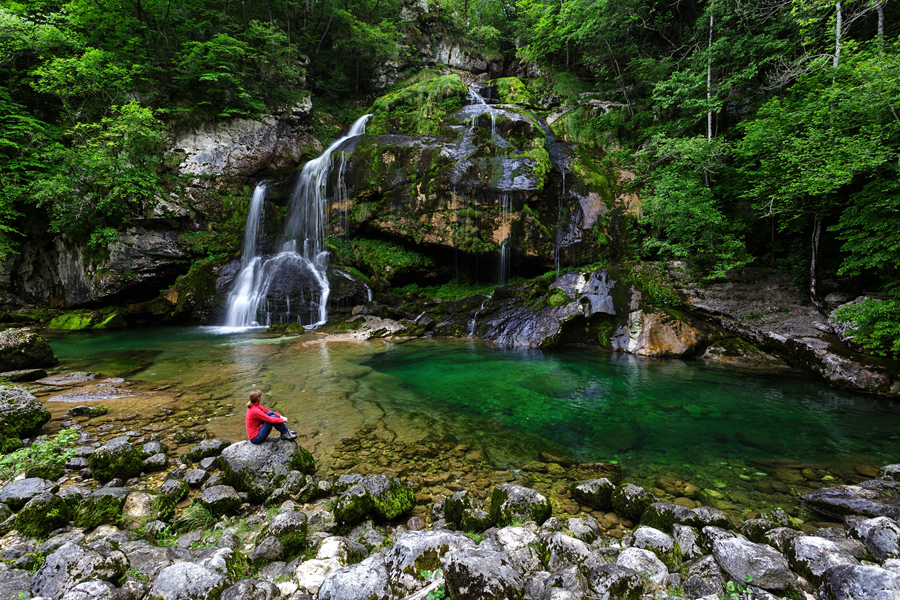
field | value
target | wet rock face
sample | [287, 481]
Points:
[21, 349]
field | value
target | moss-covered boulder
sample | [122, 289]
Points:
[79, 320]
[41, 515]
[630, 501]
[9, 439]
[594, 492]
[258, 469]
[23, 349]
[381, 497]
[206, 449]
[23, 413]
[663, 515]
[101, 507]
[512, 503]
[220, 500]
[290, 528]
[116, 458]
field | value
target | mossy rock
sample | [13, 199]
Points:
[113, 321]
[102, 507]
[9, 439]
[511, 503]
[23, 412]
[511, 90]
[631, 501]
[116, 458]
[73, 321]
[423, 108]
[257, 469]
[380, 496]
[23, 349]
[42, 515]
[290, 528]
[663, 515]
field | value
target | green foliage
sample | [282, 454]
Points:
[46, 454]
[421, 108]
[454, 290]
[379, 258]
[511, 90]
[196, 516]
[874, 325]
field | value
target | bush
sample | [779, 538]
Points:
[874, 325]
[44, 457]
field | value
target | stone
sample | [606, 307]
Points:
[188, 581]
[257, 469]
[687, 538]
[173, 490]
[843, 500]
[378, 496]
[14, 581]
[741, 558]
[42, 515]
[196, 477]
[140, 508]
[643, 562]
[858, 582]
[755, 529]
[367, 580]
[23, 349]
[251, 589]
[157, 462]
[780, 538]
[631, 501]
[101, 507]
[290, 528]
[812, 556]
[117, 458]
[206, 449]
[585, 530]
[90, 412]
[341, 549]
[417, 551]
[72, 564]
[92, 590]
[510, 502]
[594, 492]
[663, 515]
[615, 582]
[24, 413]
[16, 494]
[152, 448]
[703, 578]
[661, 544]
[478, 573]
[518, 543]
[23, 375]
[267, 550]
[560, 551]
[149, 560]
[891, 472]
[311, 574]
[220, 500]
[881, 536]
[707, 515]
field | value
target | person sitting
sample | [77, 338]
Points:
[261, 420]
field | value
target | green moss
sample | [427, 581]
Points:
[113, 321]
[72, 321]
[423, 108]
[302, 460]
[379, 258]
[99, 510]
[42, 515]
[511, 90]
[9, 438]
[121, 461]
[558, 298]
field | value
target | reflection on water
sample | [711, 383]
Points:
[651, 416]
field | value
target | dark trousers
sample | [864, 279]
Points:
[266, 429]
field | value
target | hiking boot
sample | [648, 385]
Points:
[290, 435]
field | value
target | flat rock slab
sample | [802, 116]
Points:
[23, 375]
[844, 500]
[100, 391]
[68, 378]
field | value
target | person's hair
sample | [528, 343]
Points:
[255, 395]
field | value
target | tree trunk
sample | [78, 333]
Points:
[839, 23]
[709, 112]
[880, 9]
[814, 264]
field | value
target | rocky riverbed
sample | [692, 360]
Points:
[145, 509]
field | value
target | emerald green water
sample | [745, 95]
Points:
[713, 426]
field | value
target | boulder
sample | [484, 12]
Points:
[881, 536]
[585, 530]
[417, 551]
[173, 490]
[206, 449]
[643, 562]
[156, 462]
[559, 551]
[117, 458]
[102, 506]
[257, 469]
[661, 544]
[704, 516]
[290, 529]
[251, 589]
[741, 558]
[14, 582]
[464, 512]
[23, 375]
[268, 549]
[594, 492]
[631, 501]
[780, 538]
[367, 580]
[41, 515]
[843, 500]
[664, 515]
[381, 497]
[510, 502]
[22, 349]
[478, 573]
[148, 560]
[188, 581]
[611, 581]
[220, 500]
[858, 582]
[703, 578]
[72, 564]
[519, 544]
[92, 590]
[756, 529]
[812, 556]
[21, 411]
[566, 584]
[196, 477]
[16, 494]
[687, 538]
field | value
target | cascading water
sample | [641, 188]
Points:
[505, 202]
[301, 267]
[241, 303]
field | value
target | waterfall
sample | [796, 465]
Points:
[562, 170]
[505, 202]
[303, 261]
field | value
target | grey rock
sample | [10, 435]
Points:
[515, 325]
[220, 500]
[92, 590]
[117, 458]
[13, 582]
[711, 534]
[415, 551]
[560, 551]
[208, 463]
[756, 529]
[659, 543]
[477, 573]
[378, 496]
[843, 500]
[566, 584]
[839, 536]
[196, 477]
[149, 560]
[891, 472]
[644, 563]
[290, 528]
[780, 538]
[631, 501]
[157, 462]
[16, 494]
[367, 580]
[188, 581]
[615, 582]
[151, 448]
[72, 564]
[585, 530]
[687, 538]
[703, 578]
[594, 492]
[257, 469]
[665, 515]
[741, 558]
[54, 543]
[707, 515]
[812, 556]
[510, 502]
[23, 414]
[858, 582]
[267, 550]
[206, 449]
[881, 536]
[173, 490]
[251, 589]
[22, 349]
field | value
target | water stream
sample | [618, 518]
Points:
[266, 286]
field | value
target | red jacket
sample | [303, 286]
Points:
[256, 415]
